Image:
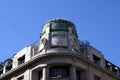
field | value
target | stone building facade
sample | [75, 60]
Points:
[59, 55]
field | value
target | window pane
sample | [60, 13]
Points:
[21, 60]
[59, 26]
[96, 59]
[59, 72]
[40, 75]
[78, 74]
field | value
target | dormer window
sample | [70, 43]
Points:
[21, 60]
[8, 64]
[96, 59]
[59, 40]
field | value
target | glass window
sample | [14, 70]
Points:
[78, 75]
[59, 27]
[96, 59]
[45, 27]
[108, 65]
[8, 67]
[43, 30]
[74, 31]
[40, 75]
[59, 72]
[21, 60]
[1, 65]
[1, 71]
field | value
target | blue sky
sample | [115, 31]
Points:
[97, 21]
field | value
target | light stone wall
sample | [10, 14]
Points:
[78, 63]
[25, 51]
[88, 70]
[92, 51]
[45, 56]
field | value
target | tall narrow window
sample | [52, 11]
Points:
[108, 65]
[9, 67]
[40, 75]
[78, 75]
[1, 71]
[8, 64]
[59, 71]
[21, 60]
[96, 59]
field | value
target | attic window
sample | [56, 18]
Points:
[96, 60]
[108, 65]
[114, 69]
[21, 60]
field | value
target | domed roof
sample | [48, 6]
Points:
[60, 23]
[61, 20]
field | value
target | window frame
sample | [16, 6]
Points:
[59, 71]
[21, 60]
[96, 59]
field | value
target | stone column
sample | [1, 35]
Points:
[45, 73]
[72, 73]
[4, 69]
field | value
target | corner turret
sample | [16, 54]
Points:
[59, 33]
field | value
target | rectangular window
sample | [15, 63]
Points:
[108, 65]
[78, 75]
[21, 60]
[9, 67]
[40, 75]
[96, 59]
[20, 78]
[115, 69]
[96, 78]
[59, 71]
[8, 64]
[59, 27]
[1, 71]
